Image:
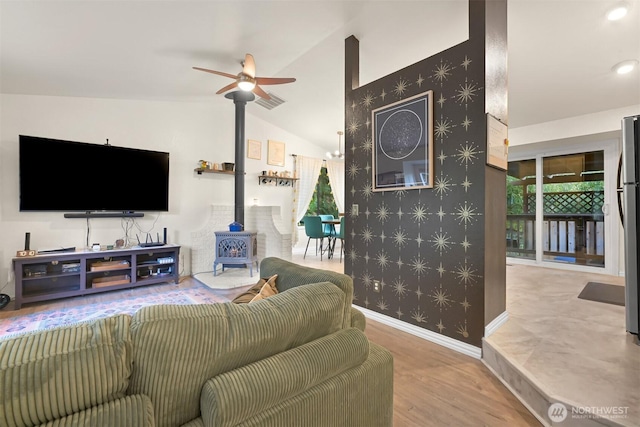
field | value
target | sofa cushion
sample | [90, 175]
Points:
[177, 348]
[130, 411]
[265, 292]
[251, 293]
[50, 374]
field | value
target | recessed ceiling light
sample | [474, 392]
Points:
[625, 67]
[617, 12]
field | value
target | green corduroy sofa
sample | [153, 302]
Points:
[293, 359]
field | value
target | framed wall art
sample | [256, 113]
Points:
[403, 144]
[254, 149]
[275, 153]
[497, 143]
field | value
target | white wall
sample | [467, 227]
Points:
[188, 131]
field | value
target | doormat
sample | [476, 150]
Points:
[603, 292]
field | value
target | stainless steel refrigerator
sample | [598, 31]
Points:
[631, 210]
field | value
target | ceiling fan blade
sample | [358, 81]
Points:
[227, 87]
[274, 80]
[261, 93]
[249, 67]
[220, 73]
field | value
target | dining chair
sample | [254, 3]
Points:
[340, 235]
[314, 229]
[330, 229]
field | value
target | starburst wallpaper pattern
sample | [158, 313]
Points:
[426, 246]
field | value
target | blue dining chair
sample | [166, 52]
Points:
[329, 229]
[314, 229]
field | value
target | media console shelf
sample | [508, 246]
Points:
[68, 274]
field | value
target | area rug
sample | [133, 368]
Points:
[128, 302]
[603, 292]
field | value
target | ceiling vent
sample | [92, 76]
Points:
[271, 103]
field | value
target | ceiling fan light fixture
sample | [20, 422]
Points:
[625, 67]
[246, 83]
[618, 12]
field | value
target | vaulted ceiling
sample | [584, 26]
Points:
[560, 52]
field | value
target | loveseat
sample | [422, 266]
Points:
[293, 359]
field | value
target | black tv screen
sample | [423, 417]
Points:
[58, 175]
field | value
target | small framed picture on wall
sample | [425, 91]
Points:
[254, 149]
[275, 153]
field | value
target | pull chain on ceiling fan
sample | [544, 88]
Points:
[246, 80]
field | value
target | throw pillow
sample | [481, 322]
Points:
[266, 291]
[247, 296]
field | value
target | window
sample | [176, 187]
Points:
[572, 224]
[323, 202]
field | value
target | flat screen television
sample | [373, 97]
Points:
[59, 175]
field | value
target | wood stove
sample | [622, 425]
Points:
[236, 249]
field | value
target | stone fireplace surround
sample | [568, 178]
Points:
[272, 239]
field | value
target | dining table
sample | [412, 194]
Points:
[332, 236]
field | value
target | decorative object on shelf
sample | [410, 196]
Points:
[247, 81]
[228, 167]
[403, 144]
[275, 153]
[338, 154]
[27, 249]
[254, 149]
[279, 181]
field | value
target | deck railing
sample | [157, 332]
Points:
[573, 238]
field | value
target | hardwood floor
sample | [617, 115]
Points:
[433, 385]
[436, 386]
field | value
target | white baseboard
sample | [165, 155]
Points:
[453, 344]
[495, 324]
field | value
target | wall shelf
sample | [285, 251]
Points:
[200, 171]
[278, 181]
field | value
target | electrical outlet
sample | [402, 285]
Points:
[354, 210]
[376, 286]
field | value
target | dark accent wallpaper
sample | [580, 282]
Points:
[426, 246]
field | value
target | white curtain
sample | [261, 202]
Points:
[307, 170]
[335, 170]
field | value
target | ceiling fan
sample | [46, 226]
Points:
[246, 79]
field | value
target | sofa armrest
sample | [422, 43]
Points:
[232, 397]
[357, 319]
[292, 275]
